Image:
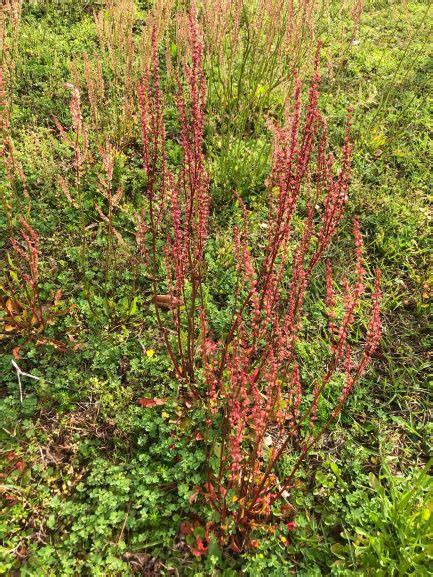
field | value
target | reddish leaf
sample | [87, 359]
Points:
[151, 402]
[166, 301]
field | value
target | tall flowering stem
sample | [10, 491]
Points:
[178, 204]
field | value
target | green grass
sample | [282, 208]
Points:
[94, 484]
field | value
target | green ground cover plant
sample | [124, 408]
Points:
[215, 283]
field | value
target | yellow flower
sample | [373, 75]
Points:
[150, 353]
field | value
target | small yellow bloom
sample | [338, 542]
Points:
[283, 539]
[150, 353]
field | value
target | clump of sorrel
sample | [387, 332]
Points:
[264, 412]
[24, 313]
[260, 394]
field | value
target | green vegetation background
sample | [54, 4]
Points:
[102, 484]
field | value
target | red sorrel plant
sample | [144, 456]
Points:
[178, 205]
[10, 24]
[109, 74]
[265, 413]
[25, 313]
[260, 394]
[14, 197]
[114, 25]
[112, 197]
[78, 142]
[84, 173]
[251, 48]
